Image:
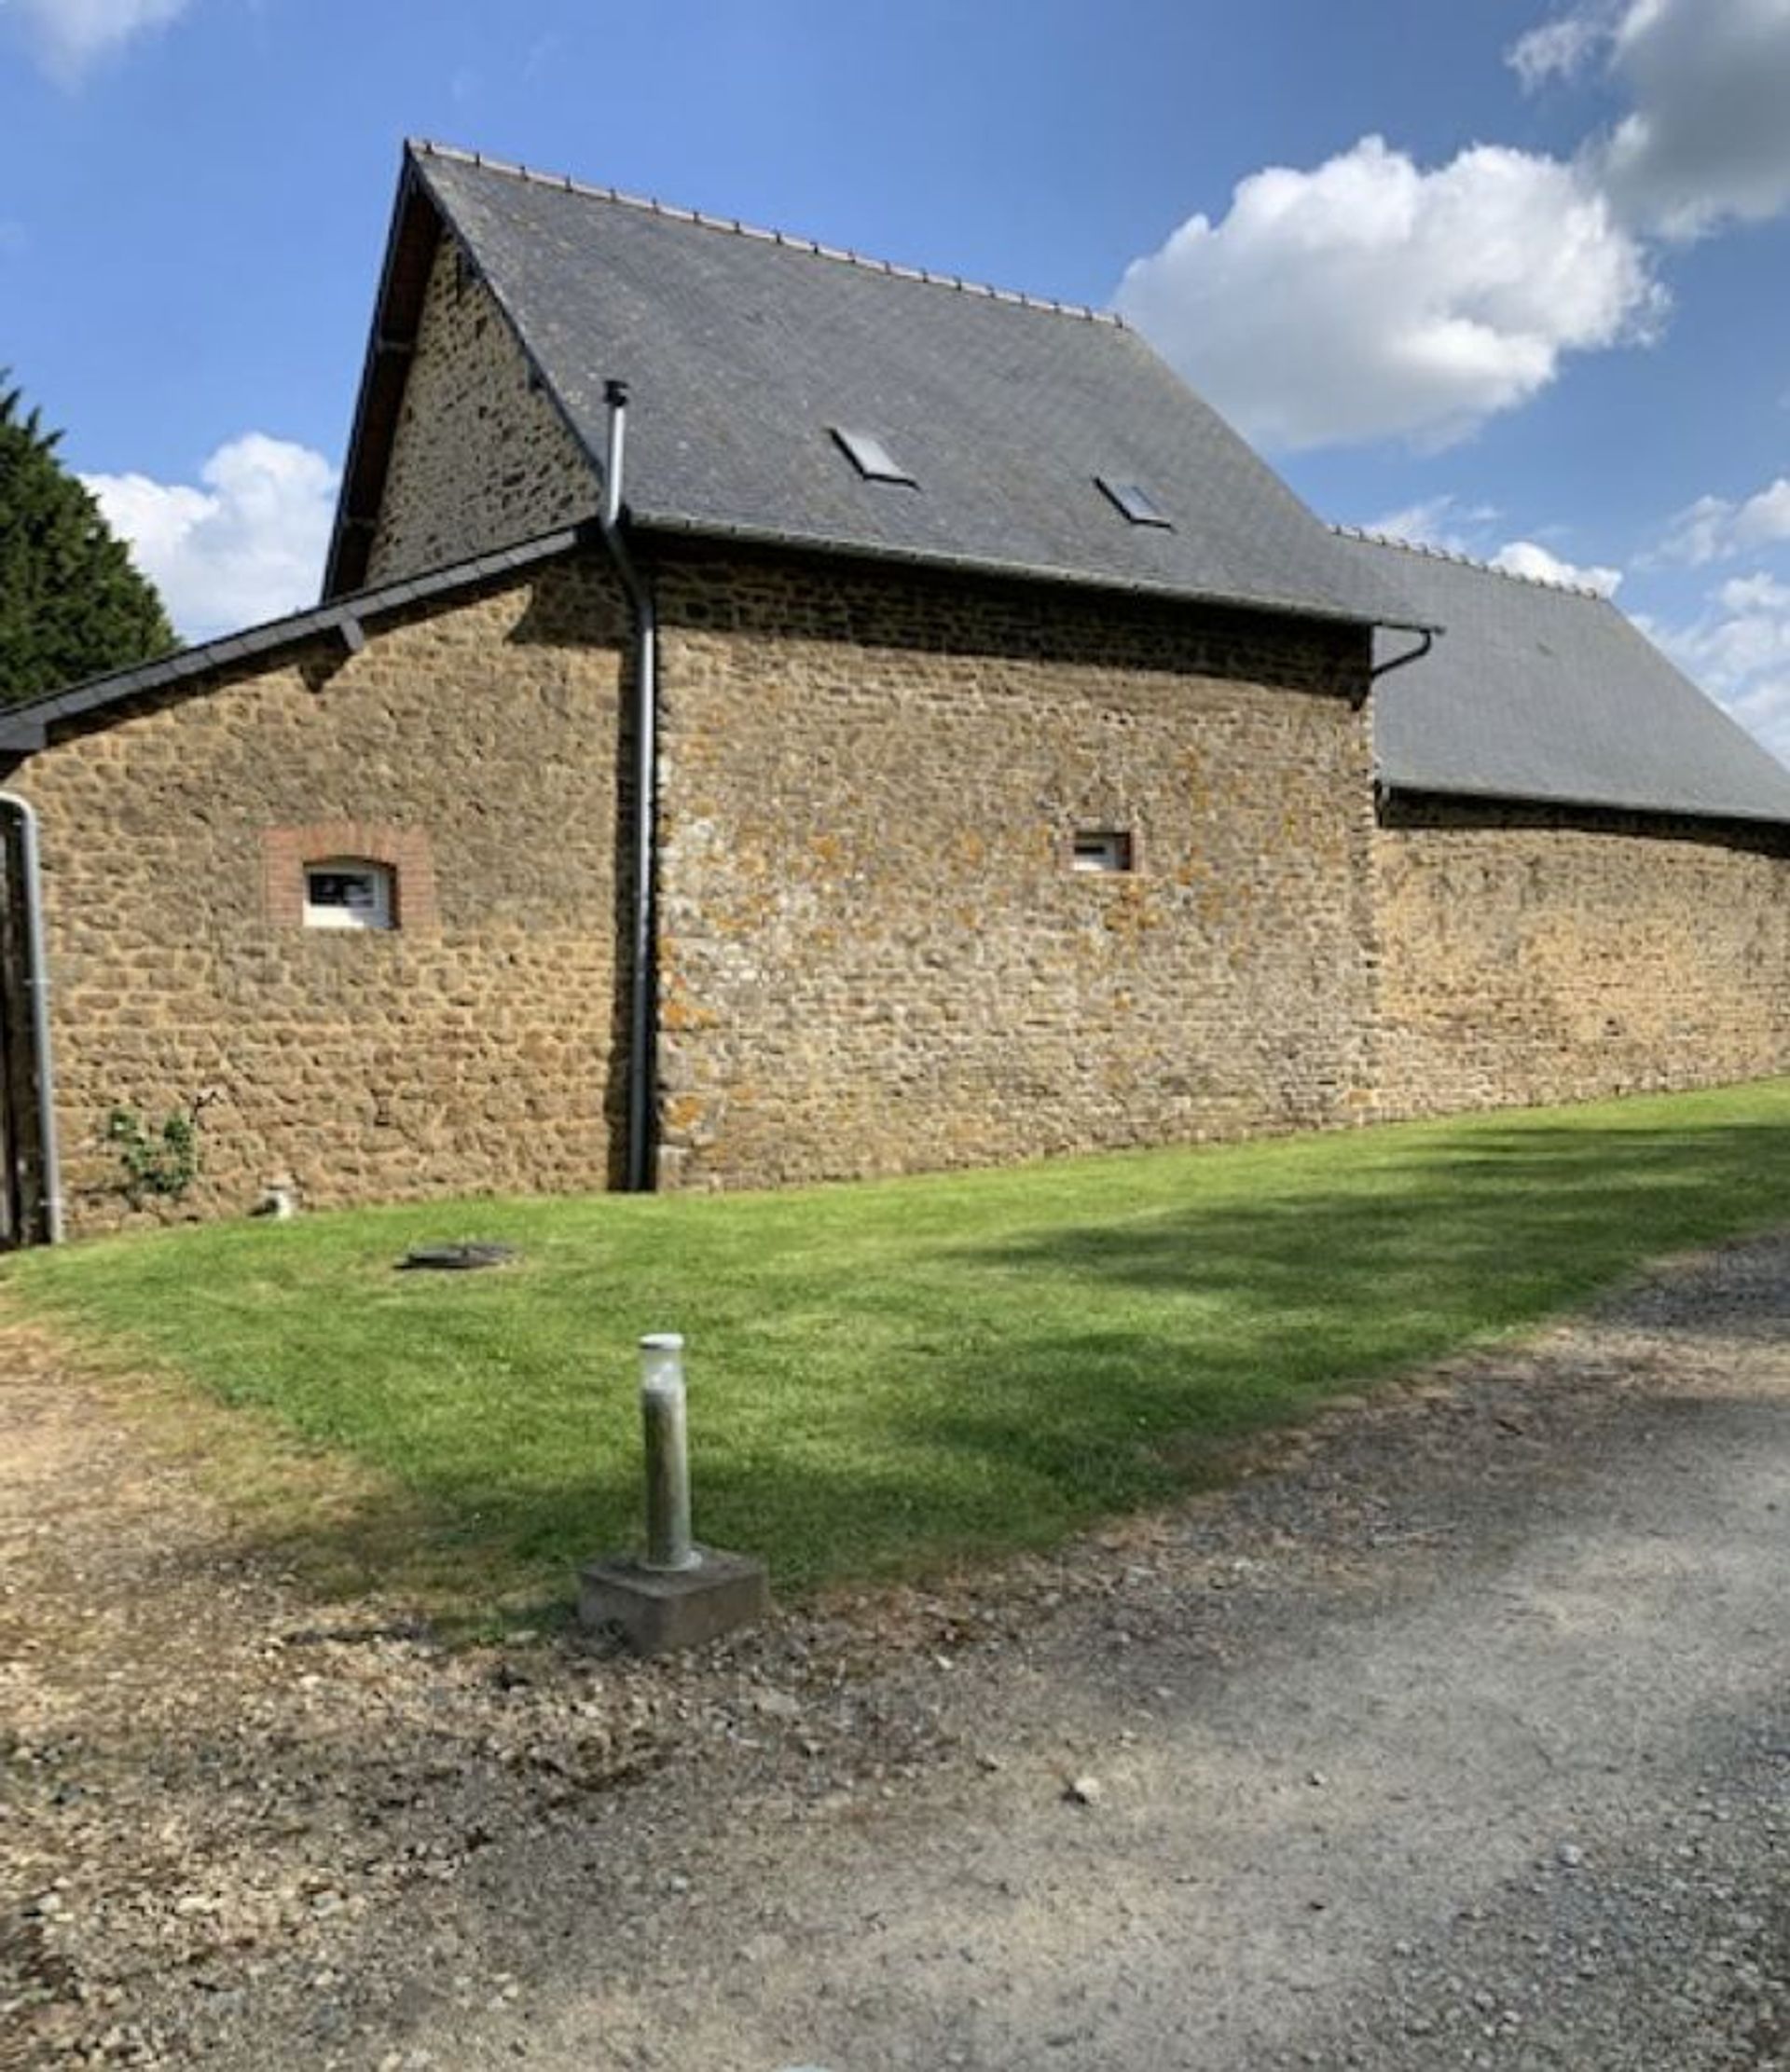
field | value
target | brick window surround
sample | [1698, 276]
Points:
[286, 853]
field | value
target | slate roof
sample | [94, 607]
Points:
[24, 726]
[742, 350]
[1548, 694]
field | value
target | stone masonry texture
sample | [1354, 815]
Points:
[1532, 954]
[873, 951]
[480, 458]
[874, 956]
[471, 746]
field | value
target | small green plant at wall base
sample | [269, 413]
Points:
[161, 1165]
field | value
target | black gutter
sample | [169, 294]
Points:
[23, 728]
[1426, 640]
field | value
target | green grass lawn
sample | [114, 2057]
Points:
[885, 1377]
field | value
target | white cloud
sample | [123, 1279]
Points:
[1558, 48]
[1371, 298]
[1740, 651]
[1443, 521]
[1714, 529]
[1523, 557]
[1709, 134]
[69, 35]
[544, 53]
[247, 546]
[1705, 137]
[1753, 592]
[1451, 527]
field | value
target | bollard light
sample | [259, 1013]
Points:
[668, 1544]
[677, 1594]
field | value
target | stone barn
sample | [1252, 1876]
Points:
[775, 716]
[1582, 864]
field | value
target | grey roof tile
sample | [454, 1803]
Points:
[1548, 695]
[21, 737]
[20, 724]
[741, 351]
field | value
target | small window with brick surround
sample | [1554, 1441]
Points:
[349, 892]
[1102, 851]
[356, 874]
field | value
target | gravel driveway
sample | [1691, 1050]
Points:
[1457, 1734]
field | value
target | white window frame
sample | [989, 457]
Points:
[377, 911]
[1102, 852]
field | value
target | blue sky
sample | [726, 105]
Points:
[1508, 276]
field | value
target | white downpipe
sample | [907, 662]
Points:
[37, 980]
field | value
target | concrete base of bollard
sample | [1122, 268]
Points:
[659, 1610]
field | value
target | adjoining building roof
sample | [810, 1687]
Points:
[1548, 694]
[24, 727]
[748, 354]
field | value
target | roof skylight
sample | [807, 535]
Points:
[1137, 503]
[870, 457]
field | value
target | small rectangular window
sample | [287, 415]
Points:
[345, 895]
[870, 457]
[1137, 503]
[1104, 850]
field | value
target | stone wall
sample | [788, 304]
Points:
[1533, 954]
[480, 458]
[874, 954]
[474, 747]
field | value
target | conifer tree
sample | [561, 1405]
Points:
[71, 603]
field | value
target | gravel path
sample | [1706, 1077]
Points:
[1458, 1734]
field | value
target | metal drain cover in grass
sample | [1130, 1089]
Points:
[466, 1257]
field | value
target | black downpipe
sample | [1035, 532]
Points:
[645, 716]
[1426, 640]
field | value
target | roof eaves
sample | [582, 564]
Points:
[414, 227]
[21, 737]
[1438, 787]
[23, 726]
[1076, 579]
[419, 217]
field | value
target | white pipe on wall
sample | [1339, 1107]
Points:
[37, 981]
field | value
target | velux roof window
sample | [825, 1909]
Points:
[870, 457]
[1137, 503]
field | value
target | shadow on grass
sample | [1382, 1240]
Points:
[1322, 1288]
[1054, 1375]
